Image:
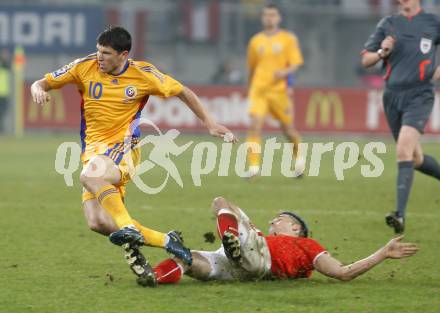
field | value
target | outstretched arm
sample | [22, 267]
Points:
[194, 103]
[39, 91]
[394, 249]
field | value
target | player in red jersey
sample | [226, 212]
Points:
[286, 252]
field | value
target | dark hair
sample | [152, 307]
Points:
[304, 229]
[271, 6]
[115, 37]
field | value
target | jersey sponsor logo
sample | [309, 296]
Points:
[321, 105]
[425, 45]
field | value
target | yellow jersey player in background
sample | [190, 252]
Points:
[114, 90]
[273, 55]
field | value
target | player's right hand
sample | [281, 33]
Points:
[395, 249]
[218, 130]
[39, 95]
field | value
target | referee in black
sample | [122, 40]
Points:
[406, 43]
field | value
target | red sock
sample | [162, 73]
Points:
[227, 222]
[168, 272]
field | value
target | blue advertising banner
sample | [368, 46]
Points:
[68, 29]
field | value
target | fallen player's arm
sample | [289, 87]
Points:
[394, 249]
[39, 91]
[193, 102]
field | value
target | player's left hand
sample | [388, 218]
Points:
[395, 249]
[218, 130]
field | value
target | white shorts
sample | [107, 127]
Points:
[254, 251]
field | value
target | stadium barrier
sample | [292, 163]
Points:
[338, 110]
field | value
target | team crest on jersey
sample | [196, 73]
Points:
[130, 92]
[425, 45]
[276, 47]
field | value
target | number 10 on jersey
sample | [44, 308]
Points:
[95, 90]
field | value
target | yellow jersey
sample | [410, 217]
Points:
[268, 54]
[111, 102]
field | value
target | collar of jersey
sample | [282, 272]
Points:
[273, 35]
[123, 70]
[412, 16]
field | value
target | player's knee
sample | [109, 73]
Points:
[90, 183]
[200, 268]
[83, 178]
[86, 181]
[404, 154]
[218, 203]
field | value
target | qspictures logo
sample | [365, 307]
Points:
[207, 157]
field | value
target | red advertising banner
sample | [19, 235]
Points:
[320, 110]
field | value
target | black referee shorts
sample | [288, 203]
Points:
[411, 107]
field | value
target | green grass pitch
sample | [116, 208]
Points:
[51, 262]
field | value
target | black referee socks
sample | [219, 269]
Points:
[429, 166]
[405, 177]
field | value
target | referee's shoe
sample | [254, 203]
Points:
[396, 222]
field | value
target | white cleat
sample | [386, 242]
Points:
[253, 171]
[300, 166]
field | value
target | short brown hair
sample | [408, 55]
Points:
[271, 6]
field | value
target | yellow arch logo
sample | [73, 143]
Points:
[321, 105]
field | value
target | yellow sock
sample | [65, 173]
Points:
[110, 199]
[254, 158]
[296, 142]
[152, 238]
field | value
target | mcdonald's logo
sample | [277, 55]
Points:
[52, 111]
[321, 105]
